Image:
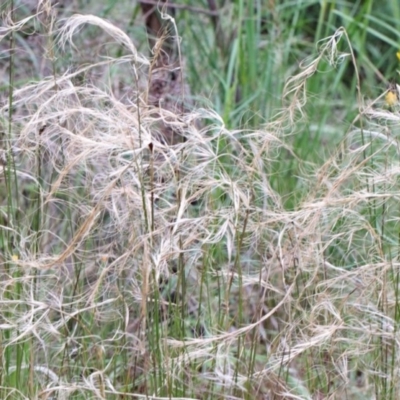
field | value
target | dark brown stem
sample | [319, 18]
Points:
[181, 7]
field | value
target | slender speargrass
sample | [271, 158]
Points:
[257, 258]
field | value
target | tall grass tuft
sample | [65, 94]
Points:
[256, 258]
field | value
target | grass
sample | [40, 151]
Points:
[258, 259]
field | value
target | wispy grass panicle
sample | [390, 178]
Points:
[239, 261]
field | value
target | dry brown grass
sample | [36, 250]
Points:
[135, 268]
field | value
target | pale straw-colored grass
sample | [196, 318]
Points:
[154, 270]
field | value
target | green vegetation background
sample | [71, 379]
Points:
[243, 70]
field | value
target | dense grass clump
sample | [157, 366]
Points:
[254, 257]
